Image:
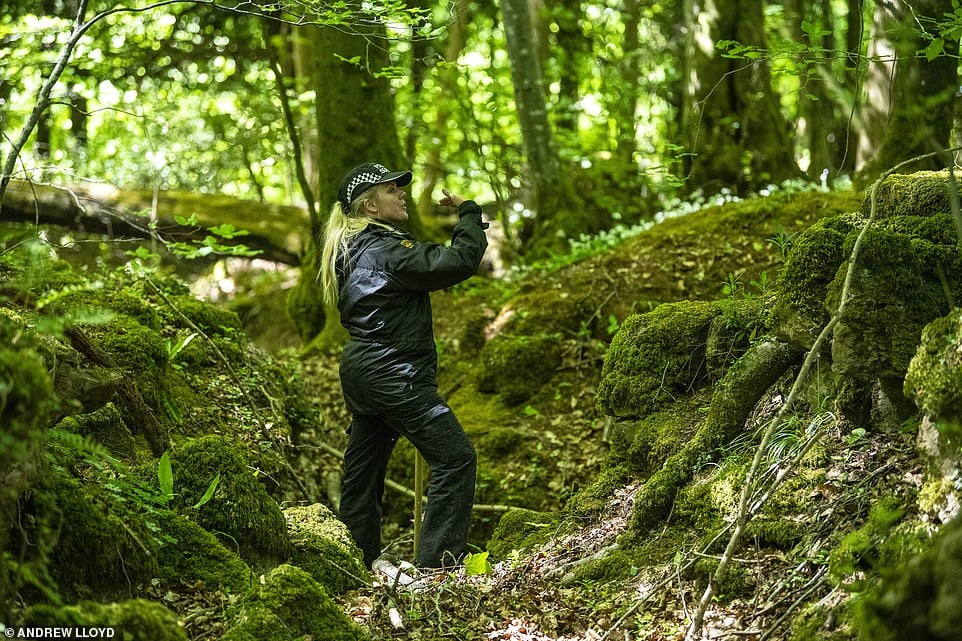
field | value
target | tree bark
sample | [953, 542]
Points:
[558, 214]
[908, 103]
[733, 130]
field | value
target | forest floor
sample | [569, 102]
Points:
[533, 597]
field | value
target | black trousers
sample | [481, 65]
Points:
[450, 496]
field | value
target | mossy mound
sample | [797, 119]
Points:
[521, 529]
[289, 604]
[799, 313]
[923, 193]
[324, 548]
[901, 283]
[655, 357]
[134, 620]
[25, 401]
[105, 426]
[89, 546]
[240, 511]
[193, 555]
[934, 378]
[517, 366]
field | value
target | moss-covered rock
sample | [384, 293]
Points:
[190, 554]
[655, 357]
[895, 291]
[799, 313]
[323, 546]
[241, 511]
[289, 604]
[134, 620]
[106, 427]
[934, 378]
[86, 544]
[517, 366]
[919, 599]
[923, 193]
[25, 401]
[521, 529]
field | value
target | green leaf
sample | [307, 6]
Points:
[165, 475]
[935, 49]
[209, 494]
[477, 564]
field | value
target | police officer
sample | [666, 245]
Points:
[380, 277]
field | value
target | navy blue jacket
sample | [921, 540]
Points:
[389, 365]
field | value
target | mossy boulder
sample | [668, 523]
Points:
[241, 511]
[645, 444]
[656, 357]
[134, 620]
[923, 193]
[919, 599]
[520, 529]
[323, 547]
[934, 378]
[289, 604]
[105, 426]
[516, 366]
[84, 539]
[901, 283]
[25, 401]
[799, 313]
[192, 555]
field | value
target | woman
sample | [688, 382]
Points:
[380, 278]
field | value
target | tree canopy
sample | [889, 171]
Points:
[617, 106]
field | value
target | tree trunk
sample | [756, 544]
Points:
[736, 137]
[908, 103]
[557, 212]
[355, 124]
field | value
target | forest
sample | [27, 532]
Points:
[711, 362]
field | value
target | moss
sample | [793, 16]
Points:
[26, 400]
[324, 548]
[923, 193]
[87, 545]
[520, 529]
[919, 598]
[286, 605]
[658, 436]
[863, 550]
[825, 621]
[739, 580]
[210, 318]
[655, 357]
[500, 442]
[895, 292]
[139, 351]
[106, 427]
[616, 566]
[591, 500]
[733, 399]
[706, 503]
[241, 511]
[934, 378]
[517, 366]
[194, 555]
[731, 332]
[134, 620]
[799, 313]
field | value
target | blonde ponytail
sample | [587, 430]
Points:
[335, 246]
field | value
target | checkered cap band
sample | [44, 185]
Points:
[365, 176]
[372, 177]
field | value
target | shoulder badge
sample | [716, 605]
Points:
[407, 243]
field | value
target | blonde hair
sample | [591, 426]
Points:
[335, 247]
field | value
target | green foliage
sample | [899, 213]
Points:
[137, 619]
[476, 564]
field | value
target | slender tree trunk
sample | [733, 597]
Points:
[909, 100]
[734, 131]
[432, 170]
[557, 211]
[624, 109]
